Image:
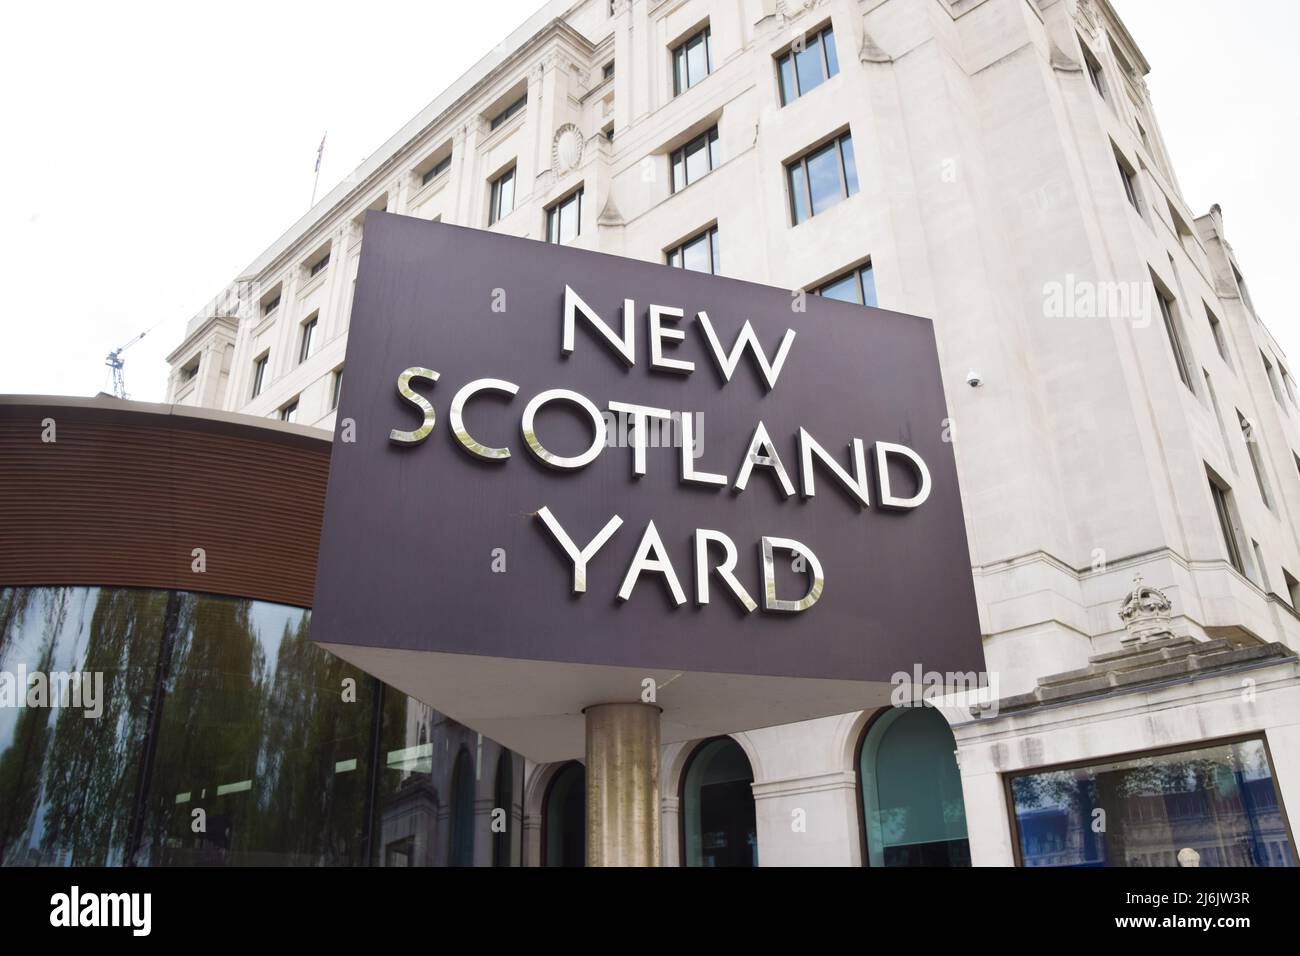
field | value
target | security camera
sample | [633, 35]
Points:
[973, 379]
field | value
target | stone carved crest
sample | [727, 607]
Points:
[1145, 613]
[566, 149]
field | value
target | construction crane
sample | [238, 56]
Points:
[115, 362]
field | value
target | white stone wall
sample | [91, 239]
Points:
[988, 175]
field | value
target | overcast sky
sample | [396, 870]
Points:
[155, 149]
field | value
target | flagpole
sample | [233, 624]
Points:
[320, 151]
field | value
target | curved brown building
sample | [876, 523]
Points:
[161, 701]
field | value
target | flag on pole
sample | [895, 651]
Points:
[320, 151]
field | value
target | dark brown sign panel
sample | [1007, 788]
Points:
[615, 449]
[431, 543]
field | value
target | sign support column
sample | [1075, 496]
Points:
[623, 785]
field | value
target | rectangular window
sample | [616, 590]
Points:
[857, 285]
[1216, 329]
[289, 413]
[564, 219]
[1271, 373]
[1250, 435]
[1288, 382]
[1129, 178]
[695, 159]
[320, 265]
[1218, 416]
[307, 338]
[1260, 567]
[1227, 524]
[259, 373]
[692, 61]
[806, 65]
[699, 253]
[1175, 340]
[336, 388]
[821, 178]
[514, 108]
[1095, 73]
[502, 201]
[1216, 804]
[1241, 287]
[1292, 589]
[436, 170]
[270, 305]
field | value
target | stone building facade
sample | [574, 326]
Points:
[1118, 408]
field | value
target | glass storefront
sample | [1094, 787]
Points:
[178, 728]
[1212, 806]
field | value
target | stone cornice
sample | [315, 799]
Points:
[373, 172]
[214, 323]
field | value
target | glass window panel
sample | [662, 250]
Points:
[461, 850]
[718, 814]
[505, 797]
[785, 75]
[697, 59]
[850, 165]
[868, 286]
[845, 288]
[255, 733]
[828, 45]
[824, 178]
[68, 782]
[252, 727]
[564, 822]
[808, 64]
[507, 194]
[570, 217]
[798, 193]
[1217, 803]
[911, 791]
[697, 159]
[695, 254]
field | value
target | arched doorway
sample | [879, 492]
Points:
[910, 788]
[564, 818]
[462, 811]
[503, 798]
[719, 823]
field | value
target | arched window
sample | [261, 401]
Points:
[504, 799]
[912, 807]
[462, 811]
[564, 818]
[719, 826]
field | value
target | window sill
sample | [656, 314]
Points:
[495, 137]
[429, 189]
[312, 284]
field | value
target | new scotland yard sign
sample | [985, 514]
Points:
[565, 470]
